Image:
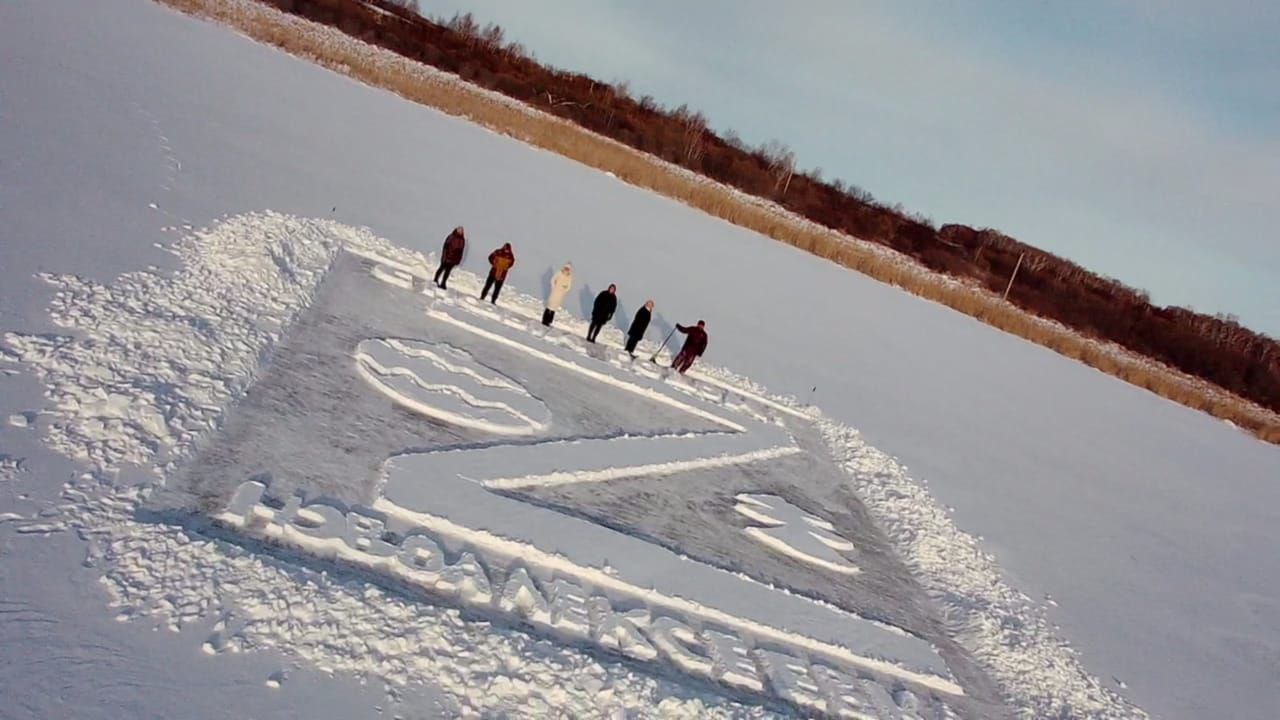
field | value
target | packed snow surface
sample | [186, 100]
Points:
[143, 282]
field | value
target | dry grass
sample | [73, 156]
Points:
[428, 86]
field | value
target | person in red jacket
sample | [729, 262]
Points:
[450, 256]
[500, 262]
[694, 345]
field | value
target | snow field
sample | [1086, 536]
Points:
[1148, 524]
[149, 558]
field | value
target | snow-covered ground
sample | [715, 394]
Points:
[125, 126]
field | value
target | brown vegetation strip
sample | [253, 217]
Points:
[420, 84]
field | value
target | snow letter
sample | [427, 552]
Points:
[466, 579]
[911, 707]
[847, 697]
[620, 632]
[790, 680]
[319, 521]
[421, 554]
[569, 609]
[244, 503]
[734, 666]
[677, 640]
[364, 533]
[901, 705]
[521, 596]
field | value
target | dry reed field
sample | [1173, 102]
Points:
[422, 84]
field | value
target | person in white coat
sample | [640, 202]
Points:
[560, 284]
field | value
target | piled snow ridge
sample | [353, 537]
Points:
[153, 361]
[1006, 630]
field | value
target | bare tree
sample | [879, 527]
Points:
[694, 125]
[860, 194]
[782, 163]
[492, 36]
[465, 25]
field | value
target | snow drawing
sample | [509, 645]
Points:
[445, 525]
[792, 531]
[446, 383]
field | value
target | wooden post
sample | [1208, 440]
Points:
[1009, 287]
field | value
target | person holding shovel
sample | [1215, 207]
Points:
[694, 345]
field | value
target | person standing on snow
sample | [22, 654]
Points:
[602, 311]
[560, 284]
[638, 325]
[500, 263]
[694, 345]
[450, 256]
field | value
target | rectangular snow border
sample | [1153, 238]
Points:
[590, 606]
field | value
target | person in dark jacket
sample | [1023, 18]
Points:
[500, 263]
[638, 325]
[602, 311]
[694, 345]
[450, 256]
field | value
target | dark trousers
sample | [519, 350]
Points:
[632, 342]
[548, 316]
[442, 273]
[491, 282]
[683, 361]
[594, 330]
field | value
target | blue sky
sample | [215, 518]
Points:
[1140, 139]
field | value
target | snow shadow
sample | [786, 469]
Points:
[544, 289]
[663, 327]
[586, 300]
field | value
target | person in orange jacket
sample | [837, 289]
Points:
[500, 263]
